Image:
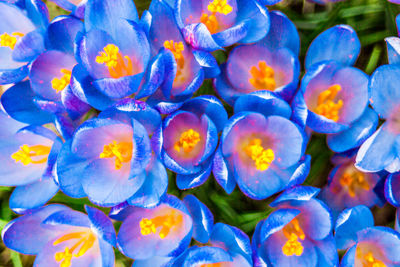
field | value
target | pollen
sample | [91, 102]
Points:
[10, 41]
[163, 224]
[368, 259]
[31, 154]
[210, 20]
[84, 241]
[294, 234]
[122, 152]
[176, 48]
[262, 77]
[118, 65]
[326, 105]
[219, 6]
[262, 157]
[59, 84]
[353, 181]
[187, 141]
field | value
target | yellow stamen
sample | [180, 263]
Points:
[121, 151]
[262, 77]
[354, 180]
[165, 222]
[326, 106]
[211, 265]
[10, 41]
[368, 259]
[118, 65]
[262, 157]
[293, 232]
[31, 154]
[187, 141]
[210, 20]
[219, 6]
[60, 84]
[85, 241]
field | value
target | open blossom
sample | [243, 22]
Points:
[60, 236]
[298, 233]
[261, 150]
[334, 93]
[270, 64]
[112, 161]
[348, 187]
[28, 156]
[187, 140]
[21, 38]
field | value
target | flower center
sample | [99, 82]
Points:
[368, 259]
[326, 106]
[293, 233]
[165, 223]
[218, 264]
[210, 20]
[262, 157]
[353, 180]
[84, 240]
[60, 84]
[7, 40]
[121, 151]
[187, 141]
[176, 48]
[263, 76]
[118, 65]
[31, 154]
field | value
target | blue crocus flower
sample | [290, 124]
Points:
[333, 97]
[187, 139]
[50, 73]
[28, 156]
[202, 222]
[261, 149]
[163, 231]
[21, 38]
[366, 244]
[298, 233]
[109, 158]
[347, 186]
[380, 151]
[175, 70]
[270, 64]
[60, 236]
[212, 24]
[112, 54]
[392, 189]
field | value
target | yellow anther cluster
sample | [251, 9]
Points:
[84, 240]
[118, 65]
[165, 222]
[10, 41]
[60, 84]
[354, 180]
[368, 259]
[187, 141]
[31, 154]
[176, 48]
[121, 151]
[326, 105]
[263, 76]
[293, 232]
[219, 6]
[210, 20]
[262, 157]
